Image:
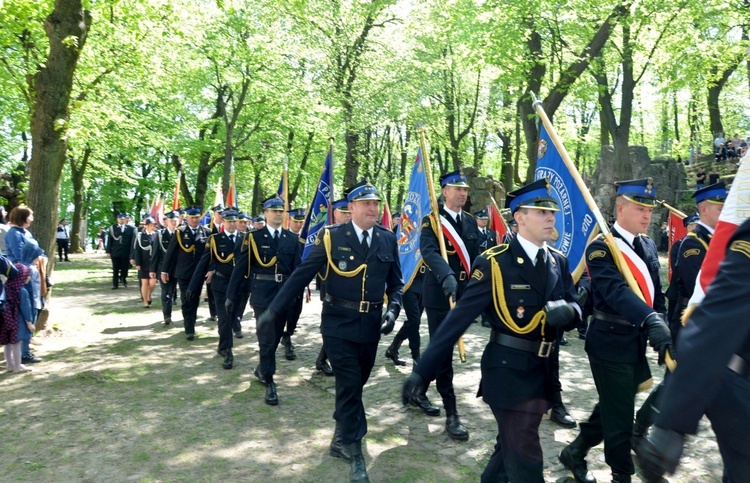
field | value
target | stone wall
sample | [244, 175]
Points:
[668, 178]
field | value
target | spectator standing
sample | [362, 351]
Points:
[3, 228]
[21, 247]
[713, 176]
[63, 240]
[719, 141]
[700, 178]
[102, 239]
[14, 316]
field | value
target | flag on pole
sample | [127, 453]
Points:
[735, 211]
[575, 225]
[154, 212]
[176, 192]
[385, 221]
[283, 193]
[676, 231]
[497, 224]
[416, 206]
[317, 215]
[232, 192]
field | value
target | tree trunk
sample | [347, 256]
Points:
[715, 86]
[78, 171]
[67, 28]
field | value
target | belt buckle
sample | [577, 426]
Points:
[278, 277]
[364, 306]
[545, 349]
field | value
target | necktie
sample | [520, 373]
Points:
[458, 221]
[365, 245]
[276, 235]
[541, 265]
[231, 238]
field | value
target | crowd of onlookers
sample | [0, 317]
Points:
[729, 149]
[23, 287]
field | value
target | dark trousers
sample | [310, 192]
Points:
[168, 291]
[226, 320]
[268, 341]
[120, 267]
[239, 311]
[412, 302]
[293, 317]
[612, 419]
[518, 451]
[352, 363]
[62, 248]
[729, 413]
[211, 300]
[189, 307]
[444, 373]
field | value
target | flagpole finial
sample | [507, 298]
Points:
[535, 100]
[331, 138]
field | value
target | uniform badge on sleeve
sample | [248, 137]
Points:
[597, 254]
[520, 311]
[691, 252]
[477, 274]
[741, 246]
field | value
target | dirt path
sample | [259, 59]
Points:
[119, 397]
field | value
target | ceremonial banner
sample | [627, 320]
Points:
[416, 206]
[231, 192]
[385, 221]
[575, 224]
[176, 192]
[497, 224]
[317, 215]
[676, 231]
[736, 210]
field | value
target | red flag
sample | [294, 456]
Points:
[176, 192]
[736, 210]
[496, 222]
[231, 195]
[386, 220]
[676, 231]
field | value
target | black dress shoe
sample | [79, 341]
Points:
[31, 359]
[425, 405]
[393, 355]
[576, 465]
[168, 321]
[561, 417]
[564, 341]
[238, 334]
[125, 283]
[212, 318]
[222, 352]
[114, 288]
[324, 367]
[272, 399]
[228, 360]
[190, 336]
[338, 449]
[289, 348]
[358, 469]
[260, 377]
[455, 429]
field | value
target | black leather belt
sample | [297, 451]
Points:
[274, 277]
[604, 317]
[362, 306]
[541, 348]
[740, 366]
[684, 301]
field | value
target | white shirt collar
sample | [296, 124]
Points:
[531, 249]
[359, 231]
[454, 214]
[234, 233]
[626, 235]
[710, 230]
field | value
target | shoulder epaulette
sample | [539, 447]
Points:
[496, 250]
[645, 236]
[467, 213]
[552, 249]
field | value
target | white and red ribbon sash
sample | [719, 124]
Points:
[639, 270]
[453, 236]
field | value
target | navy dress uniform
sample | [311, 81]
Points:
[439, 275]
[182, 257]
[686, 259]
[616, 340]
[527, 291]
[215, 266]
[119, 248]
[159, 250]
[266, 259]
[297, 215]
[712, 375]
[487, 237]
[357, 277]
[215, 226]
